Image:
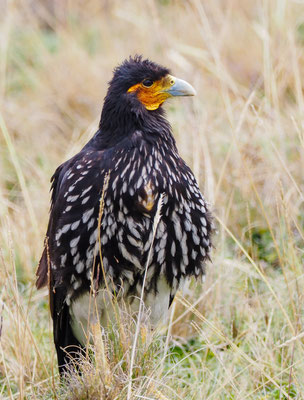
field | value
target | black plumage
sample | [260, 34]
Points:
[131, 162]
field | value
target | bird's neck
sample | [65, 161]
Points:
[120, 122]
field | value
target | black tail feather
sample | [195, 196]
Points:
[67, 346]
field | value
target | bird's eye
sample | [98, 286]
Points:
[147, 82]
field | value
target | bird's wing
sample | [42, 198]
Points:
[77, 237]
[43, 269]
[76, 190]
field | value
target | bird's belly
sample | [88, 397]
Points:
[87, 310]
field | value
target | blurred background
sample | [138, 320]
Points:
[243, 137]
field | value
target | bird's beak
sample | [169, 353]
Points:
[178, 87]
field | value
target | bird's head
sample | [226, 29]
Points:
[150, 83]
[141, 86]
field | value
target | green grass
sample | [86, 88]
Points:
[238, 336]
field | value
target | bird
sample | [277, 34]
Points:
[101, 233]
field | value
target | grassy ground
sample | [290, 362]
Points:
[238, 336]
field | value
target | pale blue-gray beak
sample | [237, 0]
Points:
[179, 87]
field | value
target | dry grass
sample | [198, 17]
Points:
[240, 336]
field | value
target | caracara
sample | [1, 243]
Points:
[104, 201]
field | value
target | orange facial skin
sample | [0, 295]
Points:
[153, 96]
